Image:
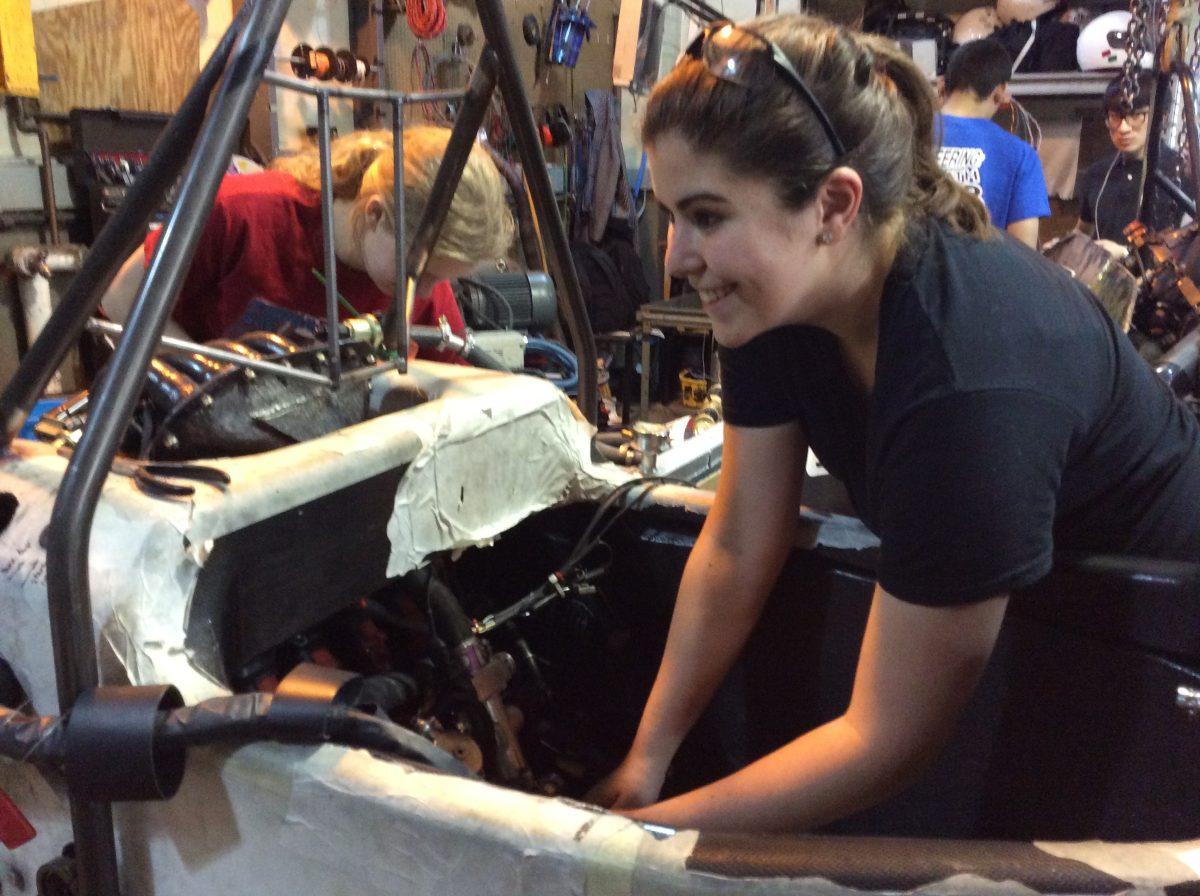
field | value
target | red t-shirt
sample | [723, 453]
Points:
[263, 240]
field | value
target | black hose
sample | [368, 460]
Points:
[432, 337]
[619, 450]
[246, 718]
[616, 438]
[450, 623]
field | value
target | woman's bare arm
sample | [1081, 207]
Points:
[917, 668]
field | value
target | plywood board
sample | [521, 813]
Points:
[129, 54]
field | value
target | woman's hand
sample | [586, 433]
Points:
[633, 784]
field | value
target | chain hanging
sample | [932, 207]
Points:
[1140, 12]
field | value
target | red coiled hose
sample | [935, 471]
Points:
[426, 18]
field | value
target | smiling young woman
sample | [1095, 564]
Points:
[979, 406]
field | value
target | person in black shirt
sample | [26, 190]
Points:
[1110, 188]
[979, 405]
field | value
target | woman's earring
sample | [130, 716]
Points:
[824, 238]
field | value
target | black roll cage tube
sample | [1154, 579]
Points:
[1154, 177]
[203, 139]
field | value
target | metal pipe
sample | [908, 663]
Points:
[1153, 145]
[373, 94]
[113, 245]
[23, 220]
[49, 200]
[28, 261]
[1177, 368]
[698, 9]
[1176, 192]
[462, 138]
[520, 116]
[34, 266]
[30, 122]
[370, 372]
[443, 339]
[69, 533]
[400, 288]
[1188, 98]
[331, 305]
[306, 376]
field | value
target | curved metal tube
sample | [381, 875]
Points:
[69, 533]
[1186, 78]
[1180, 72]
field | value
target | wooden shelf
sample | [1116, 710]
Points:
[1066, 84]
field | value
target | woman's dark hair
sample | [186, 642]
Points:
[879, 102]
[979, 66]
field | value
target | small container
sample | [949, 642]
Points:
[693, 389]
[570, 26]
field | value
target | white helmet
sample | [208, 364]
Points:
[1101, 43]
[976, 24]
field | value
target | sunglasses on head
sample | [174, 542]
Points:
[725, 49]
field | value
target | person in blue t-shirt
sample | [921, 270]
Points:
[999, 168]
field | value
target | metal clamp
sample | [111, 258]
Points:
[650, 438]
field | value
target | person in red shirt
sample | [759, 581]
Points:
[263, 238]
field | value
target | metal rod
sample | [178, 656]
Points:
[699, 9]
[49, 200]
[113, 245]
[1175, 192]
[1158, 106]
[375, 94]
[211, 351]
[520, 116]
[1186, 85]
[462, 138]
[331, 293]
[69, 533]
[400, 286]
[366, 373]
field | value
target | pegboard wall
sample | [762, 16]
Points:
[556, 85]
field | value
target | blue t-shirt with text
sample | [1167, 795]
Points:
[998, 167]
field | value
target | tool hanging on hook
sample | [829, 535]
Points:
[568, 27]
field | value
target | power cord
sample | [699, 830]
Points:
[426, 18]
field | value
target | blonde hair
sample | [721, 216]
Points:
[478, 225]
[877, 100]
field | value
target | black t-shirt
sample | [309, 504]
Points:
[1108, 194]
[1009, 418]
